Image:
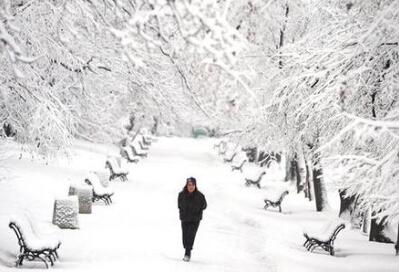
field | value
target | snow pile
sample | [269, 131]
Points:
[65, 214]
[32, 239]
[85, 196]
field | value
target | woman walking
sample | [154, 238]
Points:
[191, 203]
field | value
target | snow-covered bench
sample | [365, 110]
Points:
[325, 237]
[127, 153]
[276, 202]
[116, 171]
[236, 165]
[147, 137]
[146, 140]
[136, 151]
[141, 144]
[99, 191]
[229, 158]
[255, 180]
[218, 145]
[32, 246]
[222, 152]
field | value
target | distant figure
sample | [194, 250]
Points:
[191, 203]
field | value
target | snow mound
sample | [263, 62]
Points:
[85, 196]
[66, 211]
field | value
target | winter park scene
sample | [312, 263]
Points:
[199, 135]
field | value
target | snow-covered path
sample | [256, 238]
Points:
[141, 230]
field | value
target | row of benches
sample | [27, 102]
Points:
[132, 152]
[34, 247]
[323, 238]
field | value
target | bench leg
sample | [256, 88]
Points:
[311, 245]
[279, 208]
[20, 259]
[54, 255]
[43, 260]
[104, 199]
[50, 258]
[258, 185]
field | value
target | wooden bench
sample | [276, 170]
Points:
[230, 158]
[256, 182]
[142, 145]
[222, 152]
[276, 203]
[115, 170]
[136, 152]
[146, 141]
[218, 145]
[32, 247]
[238, 166]
[99, 191]
[128, 155]
[324, 238]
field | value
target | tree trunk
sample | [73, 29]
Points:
[287, 168]
[129, 127]
[154, 129]
[397, 243]
[377, 231]
[293, 167]
[301, 173]
[297, 177]
[320, 190]
[282, 32]
[264, 158]
[252, 154]
[366, 221]
[346, 207]
[309, 183]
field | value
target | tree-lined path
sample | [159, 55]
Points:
[141, 231]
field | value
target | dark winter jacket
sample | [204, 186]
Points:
[191, 205]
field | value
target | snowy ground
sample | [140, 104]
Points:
[141, 230]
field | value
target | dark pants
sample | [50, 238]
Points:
[189, 230]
